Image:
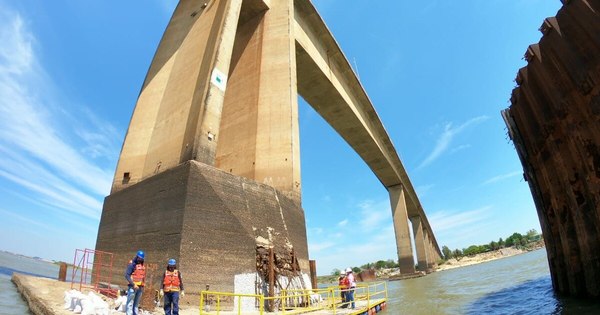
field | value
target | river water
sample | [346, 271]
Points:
[514, 285]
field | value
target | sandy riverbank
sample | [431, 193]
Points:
[483, 257]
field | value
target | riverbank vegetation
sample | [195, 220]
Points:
[513, 244]
[517, 240]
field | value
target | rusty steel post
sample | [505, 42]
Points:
[62, 272]
[271, 277]
[313, 273]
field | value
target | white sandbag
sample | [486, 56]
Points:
[100, 306]
[67, 300]
[87, 306]
[120, 303]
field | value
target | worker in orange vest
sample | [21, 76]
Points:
[135, 274]
[342, 282]
[172, 288]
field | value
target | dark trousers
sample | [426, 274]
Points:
[171, 303]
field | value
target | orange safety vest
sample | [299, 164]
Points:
[139, 274]
[171, 283]
[343, 283]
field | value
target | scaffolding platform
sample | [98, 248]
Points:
[369, 299]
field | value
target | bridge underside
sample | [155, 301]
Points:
[554, 121]
[222, 91]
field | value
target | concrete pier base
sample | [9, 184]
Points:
[210, 221]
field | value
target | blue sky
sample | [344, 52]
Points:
[438, 73]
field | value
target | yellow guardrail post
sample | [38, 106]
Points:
[385, 285]
[201, 302]
[283, 300]
[262, 304]
[368, 298]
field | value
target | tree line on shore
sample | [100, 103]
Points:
[517, 240]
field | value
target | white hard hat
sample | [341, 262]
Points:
[348, 270]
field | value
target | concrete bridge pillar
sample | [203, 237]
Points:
[429, 247]
[422, 245]
[400, 217]
[434, 256]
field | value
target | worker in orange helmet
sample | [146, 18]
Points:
[172, 288]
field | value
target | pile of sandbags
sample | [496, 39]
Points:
[90, 304]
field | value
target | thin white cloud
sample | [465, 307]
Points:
[168, 6]
[459, 148]
[502, 177]
[445, 139]
[423, 190]
[369, 248]
[343, 223]
[445, 220]
[38, 151]
[374, 215]
[317, 247]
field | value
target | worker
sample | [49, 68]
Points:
[135, 274]
[342, 281]
[171, 287]
[351, 286]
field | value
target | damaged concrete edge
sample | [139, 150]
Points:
[36, 305]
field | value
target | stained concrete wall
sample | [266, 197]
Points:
[554, 121]
[205, 218]
[178, 106]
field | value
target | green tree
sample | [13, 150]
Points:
[367, 266]
[356, 269]
[335, 272]
[380, 264]
[494, 245]
[514, 239]
[446, 252]
[473, 250]
[524, 241]
[531, 235]
[390, 263]
[458, 254]
[501, 243]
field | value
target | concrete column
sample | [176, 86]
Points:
[206, 128]
[259, 130]
[400, 217]
[277, 129]
[179, 102]
[429, 248]
[422, 246]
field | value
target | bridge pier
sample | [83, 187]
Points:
[400, 217]
[421, 244]
[214, 135]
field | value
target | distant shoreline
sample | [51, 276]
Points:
[391, 273]
[485, 257]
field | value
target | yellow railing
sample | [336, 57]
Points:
[289, 301]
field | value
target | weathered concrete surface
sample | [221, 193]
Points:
[554, 121]
[46, 297]
[207, 219]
